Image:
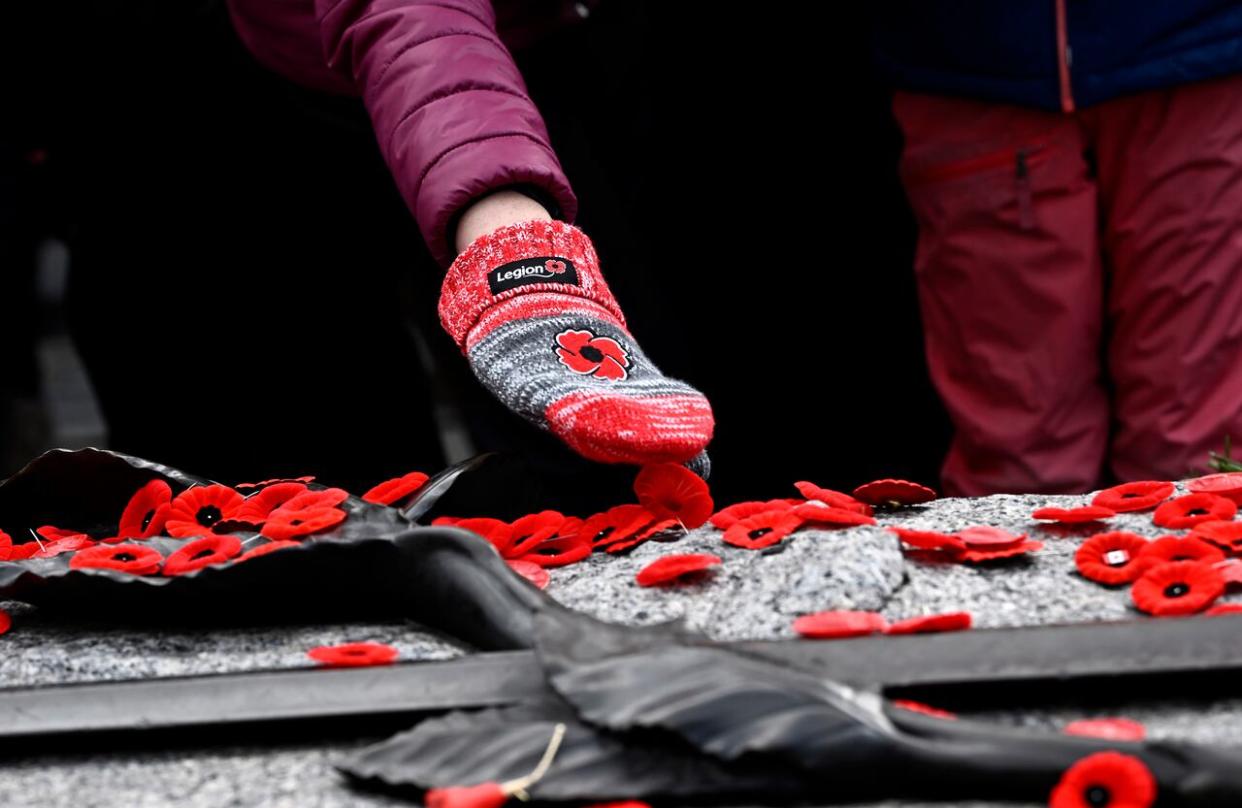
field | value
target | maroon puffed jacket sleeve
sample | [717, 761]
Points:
[449, 107]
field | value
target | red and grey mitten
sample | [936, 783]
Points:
[529, 308]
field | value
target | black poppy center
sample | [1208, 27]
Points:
[591, 353]
[763, 531]
[124, 557]
[1129, 495]
[208, 515]
[1176, 590]
[146, 520]
[603, 534]
[1098, 796]
[1198, 512]
[295, 522]
[202, 554]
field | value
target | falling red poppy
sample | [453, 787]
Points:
[146, 511]
[275, 480]
[534, 573]
[1227, 485]
[484, 795]
[259, 506]
[559, 551]
[1179, 548]
[648, 532]
[290, 524]
[1110, 729]
[1111, 558]
[393, 491]
[354, 654]
[672, 567]
[1177, 588]
[728, 517]
[196, 510]
[982, 555]
[266, 549]
[61, 541]
[615, 524]
[986, 537]
[762, 530]
[830, 515]
[839, 625]
[951, 621]
[1073, 516]
[584, 352]
[1105, 780]
[1226, 535]
[672, 491]
[830, 497]
[929, 539]
[923, 709]
[894, 492]
[1132, 497]
[1192, 509]
[202, 552]
[135, 559]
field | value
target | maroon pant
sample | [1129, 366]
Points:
[1080, 280]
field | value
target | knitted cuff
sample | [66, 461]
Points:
[533, 256]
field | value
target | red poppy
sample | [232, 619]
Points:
[534, 573]
[1110, 729]
[1131, 497]
[264, 549]
[894, 492]
[353, 654]
[531, 531]
[559, 551]
[830, 497]
[259, 506]
[393, 491]
[275, 480]
[1227, 485]
[135, 559]
[1179, 548]
[6, 621]
[672, 491]
[1224, 608]
[1074, 516]
[615, 524]
[291, 524]
[584, 352]
[923, 709]
[1178, 587]
[1231, 571]
[951, 621]
[762, 530]
[985, 537]
[484, 795]
[929, 539]
[672, 567]
[61, 541]
[199, 553]
[1105, 780]
[196, 510]
[1193, 509]
[641, 536]
[829, 515]
[146, 511]
[572, 526]
[15, 552]
[727, 517]
[1111, 558]
[1227, 535]
[325, 498]
[499, 533]
[972, 555]
[839, 625]
[621, 804]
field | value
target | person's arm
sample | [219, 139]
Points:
[450, 111]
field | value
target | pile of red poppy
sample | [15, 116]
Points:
[1175, 574]
[280, 513]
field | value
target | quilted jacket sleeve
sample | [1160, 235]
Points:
[447, 102]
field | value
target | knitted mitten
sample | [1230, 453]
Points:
[529, 308]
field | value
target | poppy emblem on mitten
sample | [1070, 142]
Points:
[591, 355]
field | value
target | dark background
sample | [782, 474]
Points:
[235, 243]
